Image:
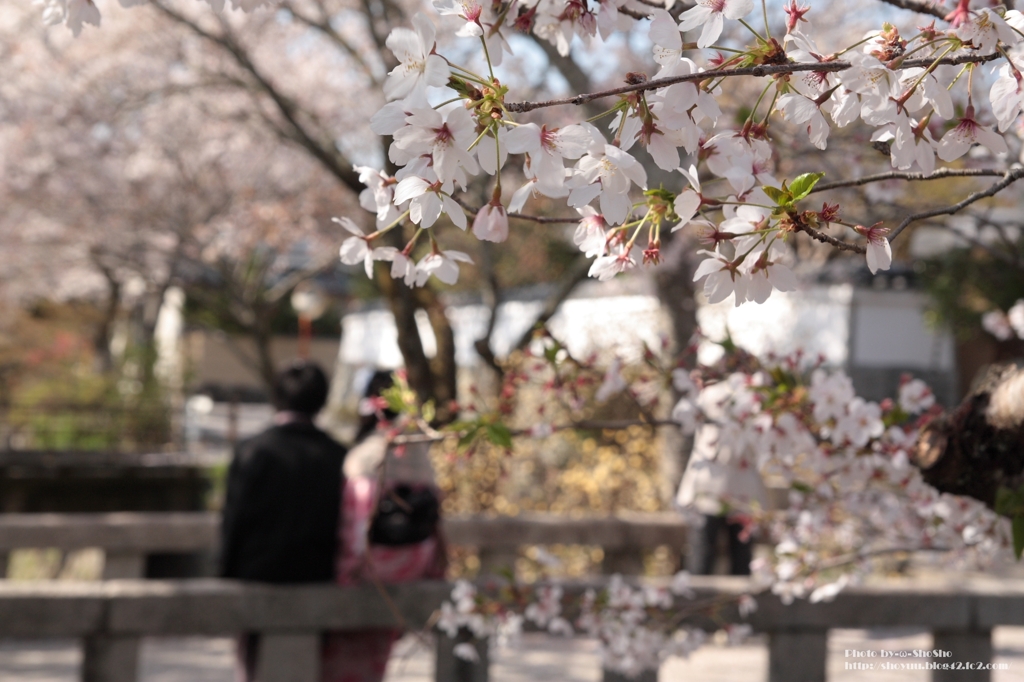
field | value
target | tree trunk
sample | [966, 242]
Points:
[978, 448]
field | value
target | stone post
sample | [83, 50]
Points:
[110, 658]
[797, 655]
[970, 646]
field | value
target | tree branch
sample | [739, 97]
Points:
[317, 142]
[920, 6]
[323, 25]
[576, 274]
[910, 176]
[1009, 177]
[828, 239]
[755, 71]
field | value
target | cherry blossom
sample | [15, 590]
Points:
[711, 14]
[1015, 317]
[606, 173]
[767, 272]
[590, 234]
[357, 249]
[830, 394]
[546, 149]
[724, 277]
[800, 109]
[996, 324]
[607, 266]
[984, 28]
[427, 200]
[879, 252]
[915, 396]
[966, 134]
[418, 68]
[491, 223]
[443, 265]
[445, 136]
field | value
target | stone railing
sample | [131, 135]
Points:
[126, 538]
[111, 617]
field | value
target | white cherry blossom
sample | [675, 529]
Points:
[591, 233]
[417, 68]
[546, 149]
[799, 109]
[915, 396]
[879, 252]
[1015, 317]
[606, 267]
[445, 136]
[356, 249]
[711, 14]
[1007, 96]
[966, 134]
[606, 173]
[443, 265]
[427, 200]
[724, 277]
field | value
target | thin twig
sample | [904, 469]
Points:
[755, 71]
[543, 220]
[919, 6]
[828, 239]
[910, 176]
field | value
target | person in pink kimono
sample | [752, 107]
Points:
[389, 533]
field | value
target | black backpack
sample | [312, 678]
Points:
[405, 515]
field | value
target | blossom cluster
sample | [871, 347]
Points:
[450, 124]
[1005, 326]
[853, 492]
[634, 625]
[747, 224]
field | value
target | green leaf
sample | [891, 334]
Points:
[499, 434]
[803, 184]
[429, 411]
[1009, 502]
[469, 436]
[780, 197]
[1018, 536]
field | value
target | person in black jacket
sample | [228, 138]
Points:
[283, 501]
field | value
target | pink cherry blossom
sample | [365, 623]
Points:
[491, 223]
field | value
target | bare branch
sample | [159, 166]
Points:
[323, 25]
[1009, 177]
[318, 142]
[541, 220]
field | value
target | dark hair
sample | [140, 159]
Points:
[301, 388]
[381, 381]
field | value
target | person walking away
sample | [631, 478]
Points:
[390, 531]
[280, 518]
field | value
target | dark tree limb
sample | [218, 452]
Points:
[978, 447]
